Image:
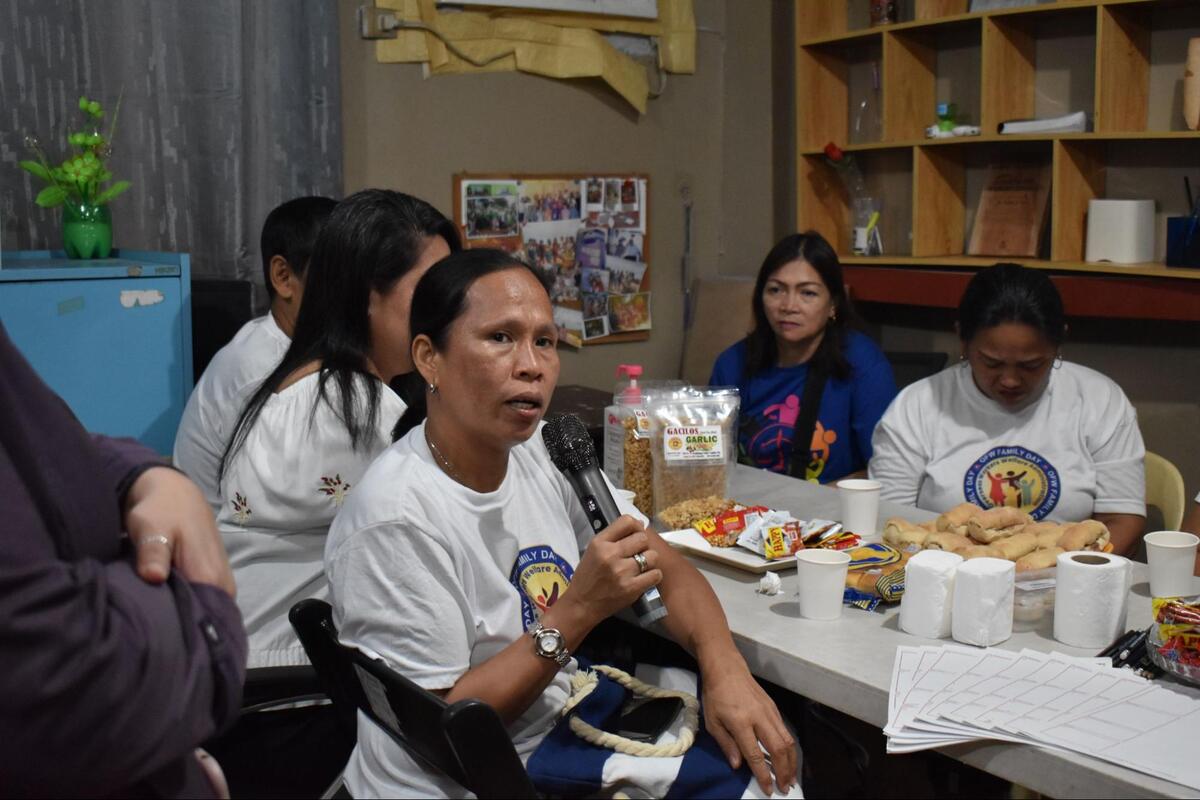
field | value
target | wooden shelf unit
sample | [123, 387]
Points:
[929, 187]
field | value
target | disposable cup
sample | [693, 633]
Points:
[860, 506]
[822, 577]
[1172, 557]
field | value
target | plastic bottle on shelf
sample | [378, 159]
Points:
[862, 205]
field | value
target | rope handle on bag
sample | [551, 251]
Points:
[582, 684]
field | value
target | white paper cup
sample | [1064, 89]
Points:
[860, 506]
[822, 576]
[1172, 557]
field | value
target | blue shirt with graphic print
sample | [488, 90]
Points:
[850, 409]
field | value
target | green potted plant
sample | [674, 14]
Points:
[81, 184]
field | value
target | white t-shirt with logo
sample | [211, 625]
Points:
[436, 579]
[280, 492]
[213, 409]
[1074, 452]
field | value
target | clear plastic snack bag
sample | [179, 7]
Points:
[693, 443]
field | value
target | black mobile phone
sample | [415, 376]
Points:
[648, 720]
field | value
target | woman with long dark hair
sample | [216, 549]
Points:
[310, 430]
[803, 373]
[465, 561]
[1014, 425]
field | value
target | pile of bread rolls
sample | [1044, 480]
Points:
[1003, 532]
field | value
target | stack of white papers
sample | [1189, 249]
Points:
[948, 695]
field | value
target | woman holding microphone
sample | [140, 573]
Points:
[511, 578]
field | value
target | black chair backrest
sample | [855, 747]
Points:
[912, 367]
[466, 741]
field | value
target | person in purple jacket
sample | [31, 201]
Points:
[121, 647]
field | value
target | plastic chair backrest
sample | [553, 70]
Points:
[465, 741]
[1165, 490]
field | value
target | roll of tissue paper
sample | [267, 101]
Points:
[928, 593]
[1090, 599]
[982, 613]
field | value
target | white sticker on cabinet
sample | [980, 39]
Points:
[141, 297]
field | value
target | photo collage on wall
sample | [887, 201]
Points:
[586, 236]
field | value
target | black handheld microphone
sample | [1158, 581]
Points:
[573, 454]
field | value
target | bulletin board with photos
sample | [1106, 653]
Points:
[588, 233]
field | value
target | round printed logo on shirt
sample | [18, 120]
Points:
[541, 576]
[1014, 477]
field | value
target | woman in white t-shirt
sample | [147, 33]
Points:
[463, 542]
[306, 436]
[1013, 424]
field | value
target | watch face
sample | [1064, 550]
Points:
[547, 643]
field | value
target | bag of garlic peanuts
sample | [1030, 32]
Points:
[693, 443]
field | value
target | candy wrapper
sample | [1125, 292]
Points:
[819, 531]
[723, 530]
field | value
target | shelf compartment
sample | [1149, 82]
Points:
[1122, 68]
[925, 67]
[939, 201]
[1030, 65]
[825, 205]
[1077, 179]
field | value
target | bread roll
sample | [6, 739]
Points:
[996, 523]
[1017, 545]
[904, 535]
[1087, 535]
[929, 525]
[951, 542]
[1039, 559]
[957, 516]
[1047, 533]
[980, 551]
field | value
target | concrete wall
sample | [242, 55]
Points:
[708, 135]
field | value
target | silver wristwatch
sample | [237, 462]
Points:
[550, 643]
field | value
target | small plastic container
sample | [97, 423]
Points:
[1184, 672]
[1033, 599]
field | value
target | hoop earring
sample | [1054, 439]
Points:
[1058, 361]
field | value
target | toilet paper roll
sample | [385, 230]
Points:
[928, 593]
[1090, 599]
[982, 613]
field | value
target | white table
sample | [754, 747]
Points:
[847, 664]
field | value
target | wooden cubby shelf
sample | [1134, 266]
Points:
[1119, 61]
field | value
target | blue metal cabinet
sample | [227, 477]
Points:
[113, 337]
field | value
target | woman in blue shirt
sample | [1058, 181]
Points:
[801, 334]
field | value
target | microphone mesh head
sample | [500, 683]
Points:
[569, 444]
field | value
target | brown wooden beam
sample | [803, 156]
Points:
[1112, 297]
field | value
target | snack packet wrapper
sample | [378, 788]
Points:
[817, 531]
[856, 599]
[772, 535]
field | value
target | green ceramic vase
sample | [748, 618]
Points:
[87, 230]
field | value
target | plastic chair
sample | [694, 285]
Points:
[465, 741]
[1165, 490]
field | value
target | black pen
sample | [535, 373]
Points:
[1130, 653]
[1117, 645]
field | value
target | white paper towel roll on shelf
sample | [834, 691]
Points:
[928, 593]
[1120, 231]
[1091, 598]
[982, 613]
